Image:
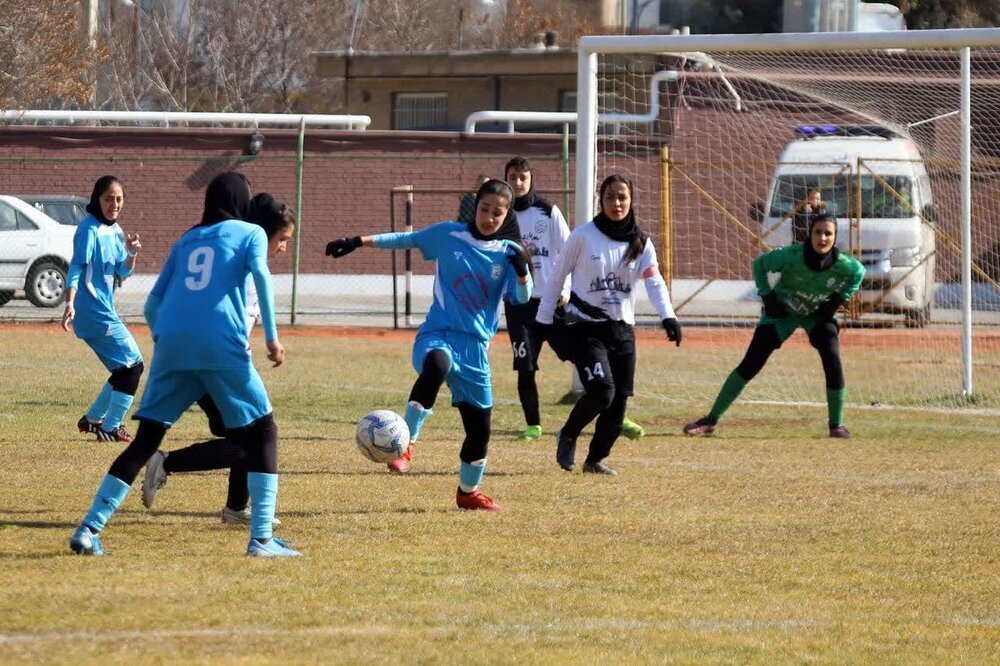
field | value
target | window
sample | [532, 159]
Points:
[419, 110]
[8, 217]
[839, 192]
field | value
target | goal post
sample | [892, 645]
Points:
[898, 132]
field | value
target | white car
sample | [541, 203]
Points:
[35, 252]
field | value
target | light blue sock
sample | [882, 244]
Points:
[100, 406]
[120, 402]
[109, 497]
[414, 417]
[470, 475]
[263, 497]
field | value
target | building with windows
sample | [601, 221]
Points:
[438, 90]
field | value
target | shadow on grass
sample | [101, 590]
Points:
[381, 471]
[37, 524]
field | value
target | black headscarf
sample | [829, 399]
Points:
[227, 198]
[627, 230]
[267, 212]
[100, 187]
[523, 203]
[813, 259]
[509, 229]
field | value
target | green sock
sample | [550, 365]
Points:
[731, 389]
[835, 406]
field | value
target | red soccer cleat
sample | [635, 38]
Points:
[703, 426]
[840, 432]
[475, 501]
[401, 465]
[119, 434]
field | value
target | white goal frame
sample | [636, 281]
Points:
[961, 40]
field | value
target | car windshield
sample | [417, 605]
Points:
[882, 196]
[62, 212]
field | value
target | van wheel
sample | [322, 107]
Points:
[46, 284]
[918, 318]
[5, 296]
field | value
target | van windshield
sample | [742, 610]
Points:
[839, 194]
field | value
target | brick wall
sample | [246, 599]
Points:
[347, 178]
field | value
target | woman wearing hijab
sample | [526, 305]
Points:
[815, 279]
[100, 254]
[197, 314]
[278, 222]
[605, 258]
[476, 264]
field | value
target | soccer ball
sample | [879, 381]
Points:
[382, 435]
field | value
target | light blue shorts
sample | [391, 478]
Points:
[116, 349]
[469, 374]
[238, 392]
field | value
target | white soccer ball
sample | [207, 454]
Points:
[382, 435]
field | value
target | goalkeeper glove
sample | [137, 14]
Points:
[828, 308]
[518, 261]
[773, 307]
[342, 246]
[673, 329]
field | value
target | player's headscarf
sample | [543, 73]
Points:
[100, 187]
[227, 198]
[508, 229]
[626, 230]
[267, 213]
[813, 259]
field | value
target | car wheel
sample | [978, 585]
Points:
[46, 284]
[5, 296]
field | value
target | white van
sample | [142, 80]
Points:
[897, 243]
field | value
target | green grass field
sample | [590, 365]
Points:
[767, 543]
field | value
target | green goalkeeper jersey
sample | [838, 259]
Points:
[801, 288]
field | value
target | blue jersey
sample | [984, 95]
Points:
[98, 255]
[471, 278]
[201, 321]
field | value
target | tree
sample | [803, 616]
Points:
[921, 14]
[45, 59]
[219, 55]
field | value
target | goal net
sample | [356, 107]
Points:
[726, 136]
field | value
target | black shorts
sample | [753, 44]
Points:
[525, 338]
[605, 351]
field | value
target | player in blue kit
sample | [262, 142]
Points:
[100, 253]
[197, 315]
[477, 263]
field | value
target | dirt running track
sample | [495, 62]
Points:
[696, 337]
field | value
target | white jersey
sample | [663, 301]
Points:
[544, 232]
[603, 286]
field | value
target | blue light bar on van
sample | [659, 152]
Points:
[812, 131]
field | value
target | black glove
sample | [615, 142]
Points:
[342, 246]
[518, 261]
[673, 329]
[828, 308]
[773, 307]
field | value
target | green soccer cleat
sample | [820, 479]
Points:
[531, 433]
[631, 429]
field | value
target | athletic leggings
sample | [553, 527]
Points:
[432, 376]
[259, 440]
[823, 337]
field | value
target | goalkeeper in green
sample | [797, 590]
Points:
[816, 279]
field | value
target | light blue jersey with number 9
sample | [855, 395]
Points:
[201, 321]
